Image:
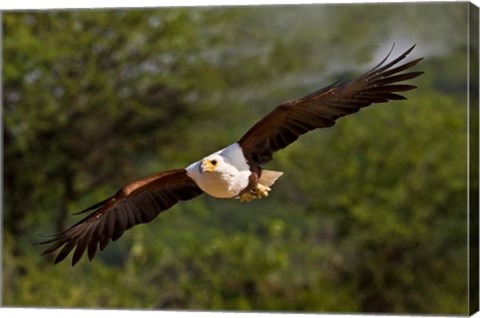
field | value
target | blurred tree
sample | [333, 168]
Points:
[67, 107]
[392, 201]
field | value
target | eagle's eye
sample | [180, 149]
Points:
[214, 162]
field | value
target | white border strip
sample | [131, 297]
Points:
[81, 313]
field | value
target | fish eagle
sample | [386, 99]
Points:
[234, 172]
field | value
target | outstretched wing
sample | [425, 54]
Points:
[139, 202]
[320, 109]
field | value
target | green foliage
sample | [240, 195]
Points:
[370, 215]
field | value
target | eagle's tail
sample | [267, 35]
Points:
[269, 177]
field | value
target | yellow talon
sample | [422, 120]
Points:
[247, 197]
[262, 191]
[259, 192]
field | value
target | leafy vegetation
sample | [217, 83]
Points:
[370, 215]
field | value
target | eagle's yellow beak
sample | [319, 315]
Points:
[209, 165]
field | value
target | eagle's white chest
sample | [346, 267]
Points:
[230, 177]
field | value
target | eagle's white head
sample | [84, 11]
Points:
[212, 163]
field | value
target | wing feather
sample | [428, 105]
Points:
[323, 107]
[139, 202]
[93, 245]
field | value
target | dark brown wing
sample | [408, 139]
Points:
[321, 108]
[139, 202]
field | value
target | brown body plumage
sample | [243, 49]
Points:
[235, 171]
